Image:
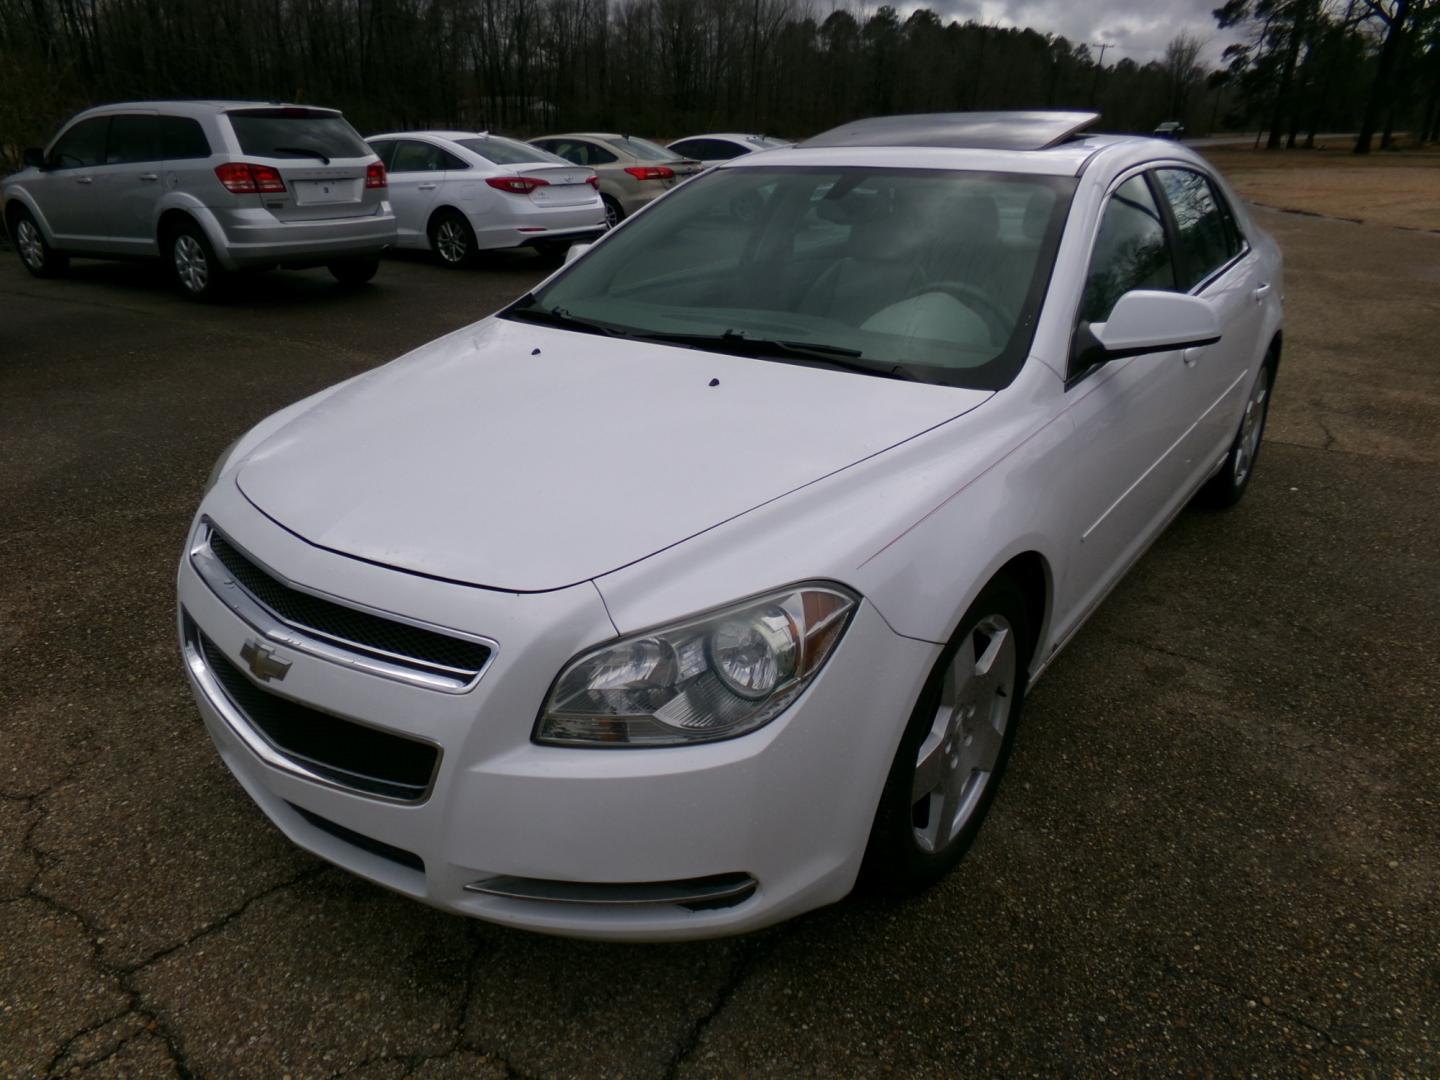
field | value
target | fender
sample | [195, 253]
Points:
[16, 192]
[188, 204]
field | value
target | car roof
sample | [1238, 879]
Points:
[201, 106]
[733, 136]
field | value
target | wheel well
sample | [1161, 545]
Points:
[1031, 572]
[437, 212]
[1272, 355]
[13, 209]
[168, 223]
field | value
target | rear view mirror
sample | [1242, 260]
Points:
[574, 252]
[33, 158]
[1146, 321]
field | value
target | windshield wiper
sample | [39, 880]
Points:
[739, 344]
[562, 319]
[302, 152]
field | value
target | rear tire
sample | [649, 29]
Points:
[354, 272]
[193, 264]
[1228, 486]
[38, 256]
[955, 747]
[452, 239]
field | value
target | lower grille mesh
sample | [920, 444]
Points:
[346, 753]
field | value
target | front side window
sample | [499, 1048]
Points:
[133, 139]
[1207, 239]
[291, 132]
[82, 146]
[934, 275]
[1131, 251]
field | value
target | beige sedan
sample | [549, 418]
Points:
[632, 171]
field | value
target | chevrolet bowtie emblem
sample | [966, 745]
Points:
[262, 661]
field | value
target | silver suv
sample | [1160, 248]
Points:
[210, 187]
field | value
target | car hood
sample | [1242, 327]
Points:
[527, 458]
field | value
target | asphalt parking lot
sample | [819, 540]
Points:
[1217, 850]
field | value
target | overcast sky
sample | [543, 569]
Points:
[1139, 28]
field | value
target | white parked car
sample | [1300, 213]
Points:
[713, 571]
[457, 192]
[724, 146]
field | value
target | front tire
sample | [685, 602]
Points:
[38, 256]
[452, 239]
[355, 271]
[955, 747]
[192, 261]
[1226, 487]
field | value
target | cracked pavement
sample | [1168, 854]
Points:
[1216, 850]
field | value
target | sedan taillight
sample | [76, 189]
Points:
[651, 172]
[516, 185]
[593, 181]
[241, 178]
[375, 175]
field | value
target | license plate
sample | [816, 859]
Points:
[312, 192]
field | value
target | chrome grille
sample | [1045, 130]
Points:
[342, 752]
[397, 648]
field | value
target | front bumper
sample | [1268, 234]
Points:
[788, 807]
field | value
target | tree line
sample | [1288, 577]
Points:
[672, 67]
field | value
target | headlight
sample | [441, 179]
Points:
[712, 677]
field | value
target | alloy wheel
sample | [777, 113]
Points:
[1252, 427]
[612, 214]
[191, 265]
[31, 244]
[960, 752]
[450, 241]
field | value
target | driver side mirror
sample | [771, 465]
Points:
[33, 158]
[1146, 321]
[574, 251]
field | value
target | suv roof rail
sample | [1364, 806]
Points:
[1017, 130]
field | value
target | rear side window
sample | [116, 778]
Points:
[182, 138]
[296, 133]
[133, 138]
[1207, 235]
[1130, 252]
[499, 151]
[82, 145]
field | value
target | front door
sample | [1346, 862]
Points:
[67, 194]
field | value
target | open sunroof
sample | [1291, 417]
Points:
[960, 130]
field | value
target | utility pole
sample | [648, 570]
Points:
[1099, 64]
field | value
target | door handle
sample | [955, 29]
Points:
[1262, 291]
[426, 187]
[149, 176]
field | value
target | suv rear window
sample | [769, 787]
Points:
[296, 133]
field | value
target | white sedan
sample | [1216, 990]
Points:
[709, 576]
[724, 146]
[456, 193]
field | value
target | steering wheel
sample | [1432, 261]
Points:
[997, 320]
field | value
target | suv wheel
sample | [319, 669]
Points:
[355, 271]
[192, 261]
[39, 257]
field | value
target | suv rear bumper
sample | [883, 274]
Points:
[252, 238]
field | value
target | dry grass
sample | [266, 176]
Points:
[1399, 188]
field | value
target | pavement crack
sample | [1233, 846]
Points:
[749, 955]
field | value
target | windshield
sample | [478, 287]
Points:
[926, 274]
[643, 149]
[500, 151]
[292, 132]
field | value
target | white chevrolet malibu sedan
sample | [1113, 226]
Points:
[709, 576]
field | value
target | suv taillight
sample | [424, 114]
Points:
[651, 172]
[375, 175]
[242, 178]
[516, 185]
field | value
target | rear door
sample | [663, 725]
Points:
[417, 172]
[320, 158]
[130, 181]
[1215, 263]
[66, 193]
